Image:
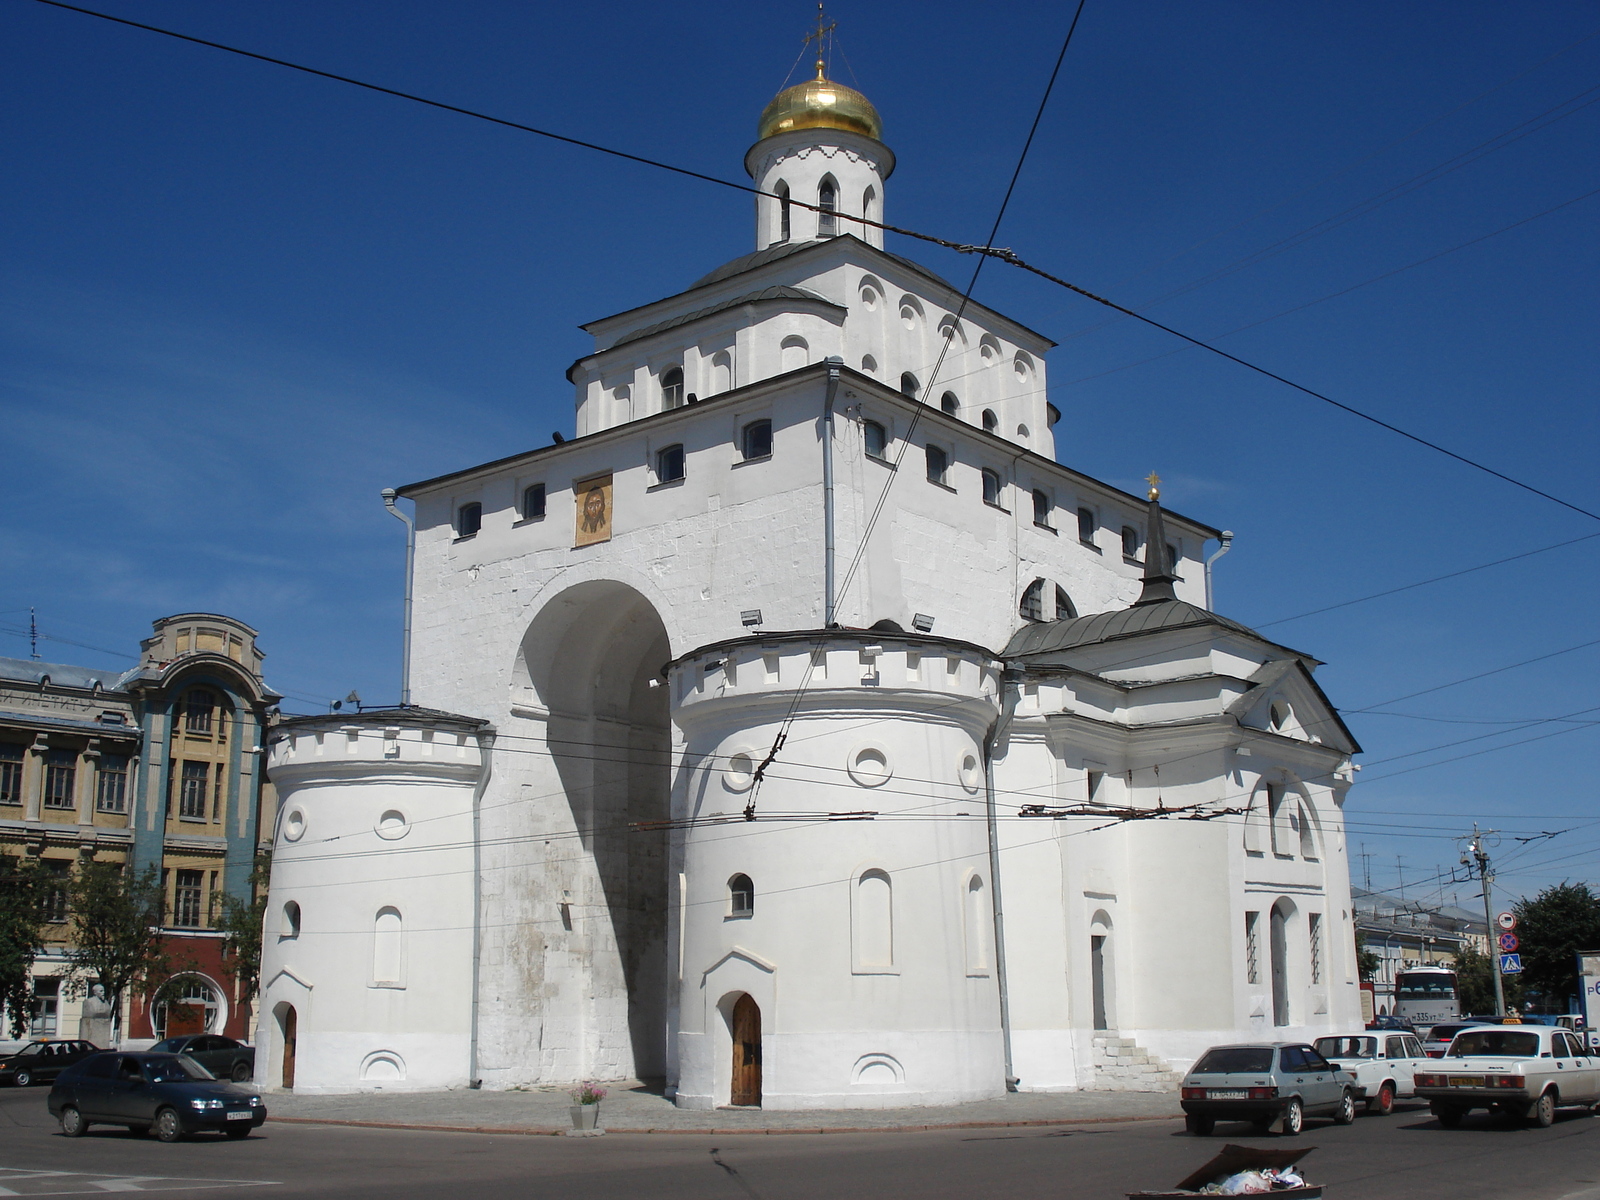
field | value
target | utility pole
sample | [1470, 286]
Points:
[1481, 857]
[1366, 867]
[33, 636]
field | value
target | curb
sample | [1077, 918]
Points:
[723, 1132]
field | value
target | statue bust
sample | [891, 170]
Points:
[94, 1024]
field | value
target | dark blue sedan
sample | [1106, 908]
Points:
[169, 1093]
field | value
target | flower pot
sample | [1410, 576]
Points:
[585, 1116]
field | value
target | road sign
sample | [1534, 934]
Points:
[1510, 964]
[1509, 942]
[1506, 921]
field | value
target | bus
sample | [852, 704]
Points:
[1426, 996]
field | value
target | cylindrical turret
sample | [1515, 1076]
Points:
[838, 950]
[367, 954]
[820, 143]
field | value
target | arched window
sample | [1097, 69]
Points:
[873, 920]
[1130, 542]
[991, 487]
[949, 404]
[990, 421]
[783, 211]
[828, 202]
[869, 204]
[721, 373]
[876, 438]
[909, 385]
[1065, 609]
[976, 916]
[669, 464]
[533, 502]
[1032, 606]
[387, 956]
[794, 353]
[756, 440]
[938, 465]
[469, 519]
[1308, 832]
[291, 921]
[672, 388]
[1041, 507]
[741, 896]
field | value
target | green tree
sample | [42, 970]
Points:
[116, 929]
[23, 885]
[240, 922]
[1475, 982]
[1368, 962]
[1553, 927]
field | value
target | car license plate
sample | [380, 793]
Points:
[1225, 1093]
[240, 1116]
[1466, 1081]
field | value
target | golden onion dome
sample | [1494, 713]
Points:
[820, 104]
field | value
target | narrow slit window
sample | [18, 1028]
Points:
[669, 464]
[783, 212]
[828, 202]
[469, 519]
[938, 465]
[1130, 542]
[1087, 526]
[1252, 947]
[1314, 931]
[1172, 558]
[1041, 508]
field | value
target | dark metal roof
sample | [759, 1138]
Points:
[1161, 617]
[411, 714]
[749, 262]
[767, 295]
[27, 670]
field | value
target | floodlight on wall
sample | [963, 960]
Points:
[871, 652]
[922, 623]
[750, 616]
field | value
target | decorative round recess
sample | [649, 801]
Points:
[970, 772]
[869, 766]
[294, 824]
[392, 826]
[740, 772]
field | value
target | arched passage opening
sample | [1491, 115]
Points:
[590, 658]
[1282, 913]
[288, 1034]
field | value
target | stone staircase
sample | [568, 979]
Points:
[1118, 1064]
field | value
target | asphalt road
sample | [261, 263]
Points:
[1404, 1157]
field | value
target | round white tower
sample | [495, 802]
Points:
[836, 951]
[819, 143]
[367, 956]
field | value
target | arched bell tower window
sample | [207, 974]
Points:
[990, 421]
[672, 388]
[783, 211]
[741, 896]
[949, 404]
[828, 202]
[1032, 606]
[909, 385]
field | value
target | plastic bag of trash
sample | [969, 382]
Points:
[1246, 1183]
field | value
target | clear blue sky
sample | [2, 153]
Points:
[236, 301]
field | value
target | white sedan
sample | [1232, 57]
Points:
[1383, 1064]
[1515, 1071]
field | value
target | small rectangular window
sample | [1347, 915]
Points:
[757, 440]
[111, 793]
[1130, 542]
[533, 502]
[1086, 525]
[991, 487]
[669, 464]
[469, 519]
[192, 790]
[876, 437]
[187, 899]
[11, 756]
[1041, 508]
[938, 465]
[60, 778]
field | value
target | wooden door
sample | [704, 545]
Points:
[291, 1022]
[746, 1053]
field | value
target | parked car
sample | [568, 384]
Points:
[40, 1061]
[1391, 1022]
[1382, 1065]
[1440, 1036]
[222, 1056]
[1514, 1071]
[170, 1093]
[1265, 1083]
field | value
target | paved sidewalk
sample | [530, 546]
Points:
[632, 1107]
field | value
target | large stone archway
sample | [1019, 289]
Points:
[589, 661]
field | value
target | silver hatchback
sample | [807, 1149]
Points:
[1265, 1083]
